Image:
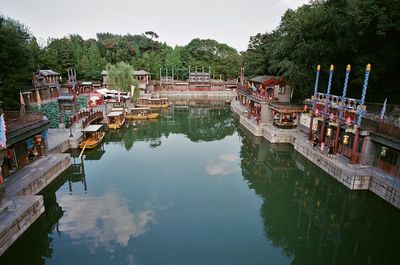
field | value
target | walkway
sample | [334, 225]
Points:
[355, 177]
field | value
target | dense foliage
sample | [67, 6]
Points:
[338, 32]
[16, 60]
[20, 55]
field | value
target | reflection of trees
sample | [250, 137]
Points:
[310, 216]
[198, 124]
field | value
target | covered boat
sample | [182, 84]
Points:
[92, 136]
[142, 113]
[116, 119]
[154, 103]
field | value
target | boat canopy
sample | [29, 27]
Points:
[114, 114]
[93, 128]
[117, 109]
[139, 108]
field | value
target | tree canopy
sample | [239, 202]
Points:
[338, 32]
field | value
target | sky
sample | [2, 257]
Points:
[176, 22]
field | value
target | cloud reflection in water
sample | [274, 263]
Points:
[102, 221]
[224, 165]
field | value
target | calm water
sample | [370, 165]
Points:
[193, 188]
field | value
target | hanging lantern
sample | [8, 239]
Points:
[383, 151]
[329, 132]
[345, 139]
[38, 139]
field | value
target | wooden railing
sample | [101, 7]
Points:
[87, 117]
[15, 120]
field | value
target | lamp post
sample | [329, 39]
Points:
[70, 129]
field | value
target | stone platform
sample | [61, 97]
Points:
[354, 177]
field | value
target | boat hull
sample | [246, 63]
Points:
[116, 125]
[91, 143]
[142, 117]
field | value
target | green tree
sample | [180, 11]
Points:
[120, 76]
[16, 61]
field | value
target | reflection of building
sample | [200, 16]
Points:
[26, 140]
[312, 218]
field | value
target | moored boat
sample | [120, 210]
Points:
[154, 103]
[142, 113]
[116, 119]
[92, 136]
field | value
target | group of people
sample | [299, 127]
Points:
[322, 146]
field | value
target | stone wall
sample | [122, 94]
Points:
[17, 214]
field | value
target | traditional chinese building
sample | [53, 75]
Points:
[45, 86]
[26, 140]
[142, 77]
[260, 91]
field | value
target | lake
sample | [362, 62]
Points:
[195, 188]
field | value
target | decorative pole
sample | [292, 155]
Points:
[360, 114]
[322, 133]
[346, 81]
[313, 103]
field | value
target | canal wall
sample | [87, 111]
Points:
[20, 206]
[227, 95]
[17, 214]
[354, 177]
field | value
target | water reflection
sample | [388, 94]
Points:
[198, 124]
[224, 165]
[312, 218]
[102, 221]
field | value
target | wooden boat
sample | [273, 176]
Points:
[92, 136]
[154, 103]
[116, 119]
[141, 114]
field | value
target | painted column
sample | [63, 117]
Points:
[313, 103]
[346, 81]
[360, 114]
[328, 92]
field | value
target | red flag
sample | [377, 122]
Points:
[21, 99]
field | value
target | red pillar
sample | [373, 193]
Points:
[310, 128]
[60, 112]
[354, 150]
[322, 133]
[335, 148]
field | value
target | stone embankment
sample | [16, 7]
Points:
[20, 204]
[354, 177]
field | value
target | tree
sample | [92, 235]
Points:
[16, 61]
[120, 76]
[152, 34]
